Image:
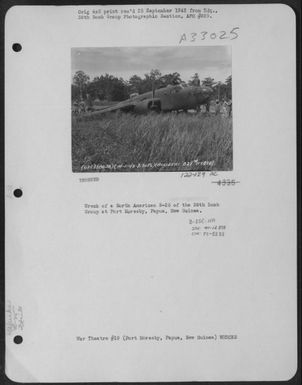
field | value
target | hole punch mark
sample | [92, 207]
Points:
[18, 193]
[17, 47]
[18, 340]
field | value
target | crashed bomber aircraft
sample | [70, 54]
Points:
[170, 98]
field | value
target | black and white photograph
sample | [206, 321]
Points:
[150, 109]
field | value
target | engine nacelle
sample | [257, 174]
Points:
[147, 105]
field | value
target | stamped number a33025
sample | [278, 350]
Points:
[205, 35]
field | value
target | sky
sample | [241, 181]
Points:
[213, 61]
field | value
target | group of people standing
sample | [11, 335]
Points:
[224, 107]
[80, 106]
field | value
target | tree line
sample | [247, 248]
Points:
[111, 88]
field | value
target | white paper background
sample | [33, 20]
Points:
[76, 275]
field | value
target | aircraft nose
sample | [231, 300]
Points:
[204, 93]
[207, 90]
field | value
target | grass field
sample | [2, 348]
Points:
[153, 142]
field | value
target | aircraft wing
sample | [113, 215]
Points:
[125, 106]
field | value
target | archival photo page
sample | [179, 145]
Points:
[155, 236]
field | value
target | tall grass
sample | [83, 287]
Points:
[120, 138]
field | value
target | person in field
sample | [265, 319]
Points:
[75, 107]
[217, 107]
[228, 106]
[82, 106]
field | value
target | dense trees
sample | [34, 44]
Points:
[208, 82]
[228, 84]
[80, 83]
[223, 90]
[110, 88]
